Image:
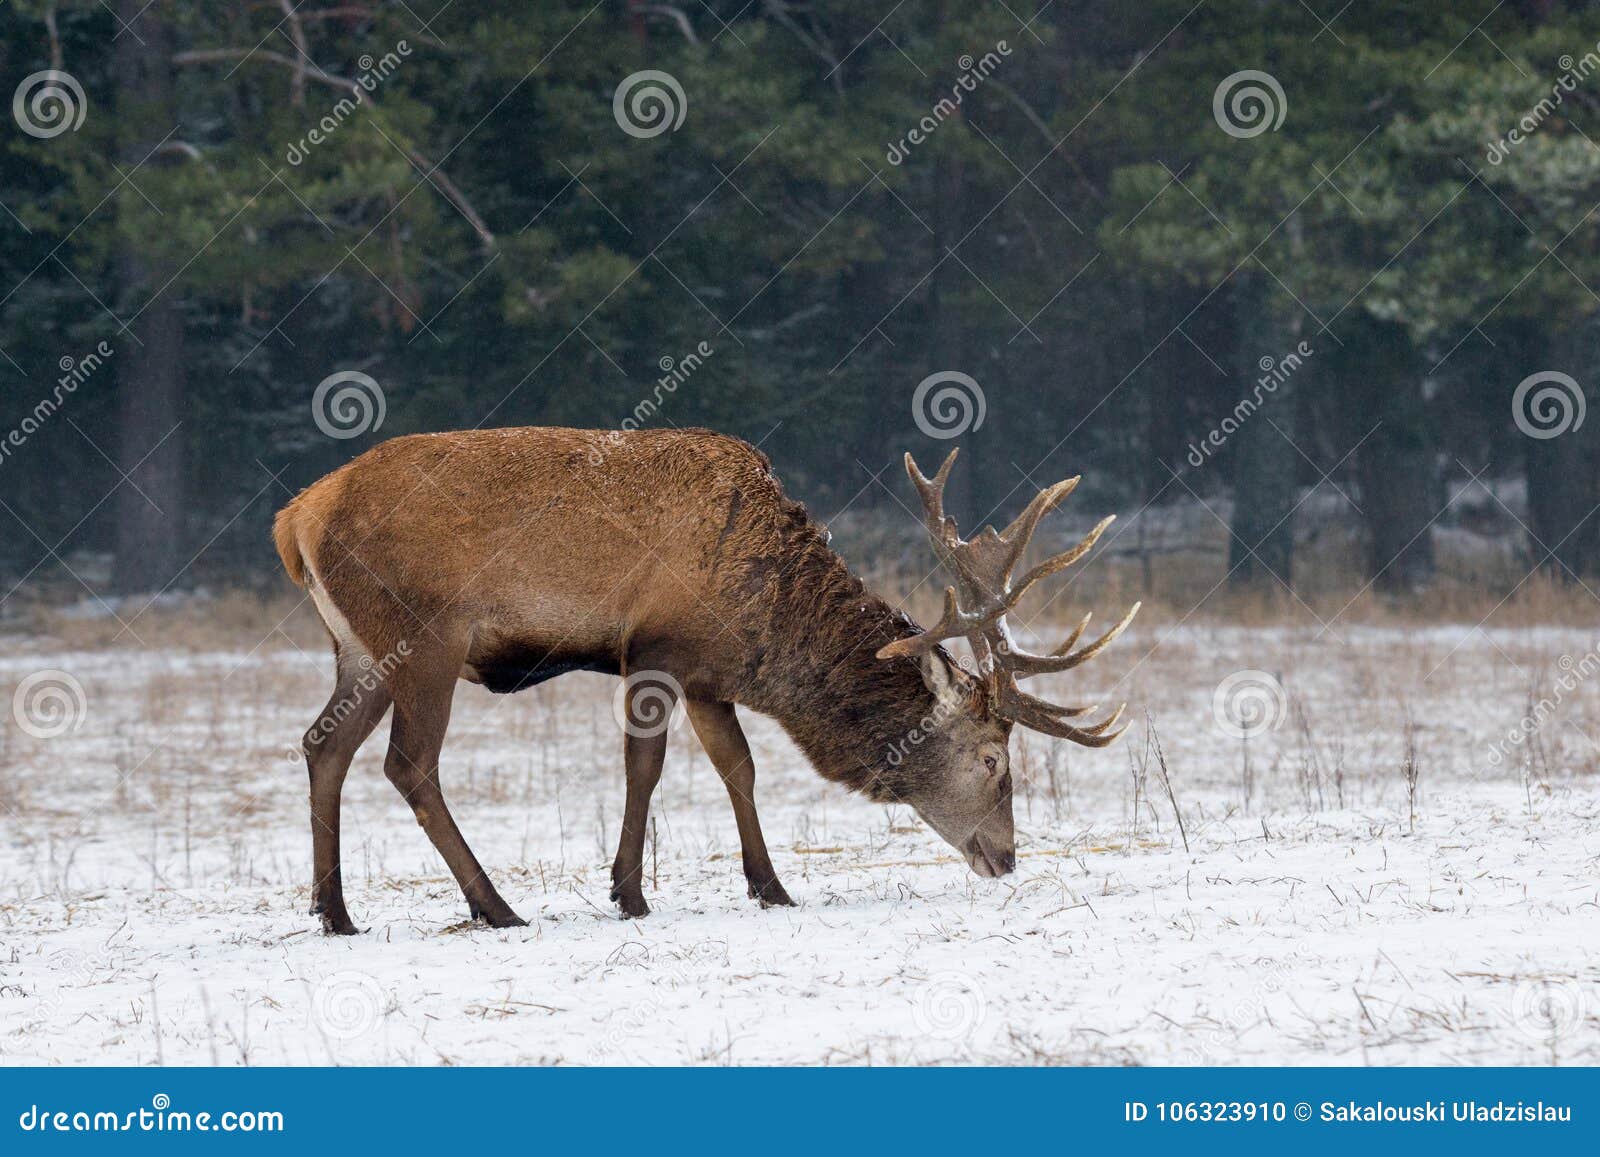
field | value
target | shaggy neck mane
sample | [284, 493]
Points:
[819, 674]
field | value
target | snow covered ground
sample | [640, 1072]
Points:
[1367, 879]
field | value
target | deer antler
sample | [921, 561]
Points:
[976, 607]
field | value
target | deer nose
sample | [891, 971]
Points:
[989, 863]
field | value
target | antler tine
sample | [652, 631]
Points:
[1012, 697]
[931, 491]
[953, 622]
[1017, 535]
[1050, 719]
[1107, 723]
[1105, 740]
[1066, 558]
[1077, 633]
[1025, 664]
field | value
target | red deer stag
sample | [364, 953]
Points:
[507, 557]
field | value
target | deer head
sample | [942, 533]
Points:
[967, 797]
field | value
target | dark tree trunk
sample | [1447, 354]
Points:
[1562, 468]
[149, 507]
[1266, 463]
[1400, 490]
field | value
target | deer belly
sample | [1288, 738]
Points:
[506, 665]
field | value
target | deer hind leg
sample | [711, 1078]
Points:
[422, 692]
[357, 706]
[722, 737]
[643, 752]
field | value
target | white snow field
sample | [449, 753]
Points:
[155, 865]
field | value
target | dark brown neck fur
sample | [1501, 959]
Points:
[818, 673]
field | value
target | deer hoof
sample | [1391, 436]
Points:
[497, 916]
[632, 905]
[771, 895]
[335, 920]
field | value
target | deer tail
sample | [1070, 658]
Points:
[285, 535]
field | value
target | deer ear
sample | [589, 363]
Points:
[936, 673]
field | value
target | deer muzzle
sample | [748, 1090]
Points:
[988, 860]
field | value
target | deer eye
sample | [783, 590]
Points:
[990, 762]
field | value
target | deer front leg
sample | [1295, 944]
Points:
[643, 753]
[648, 707]
[722, 737]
